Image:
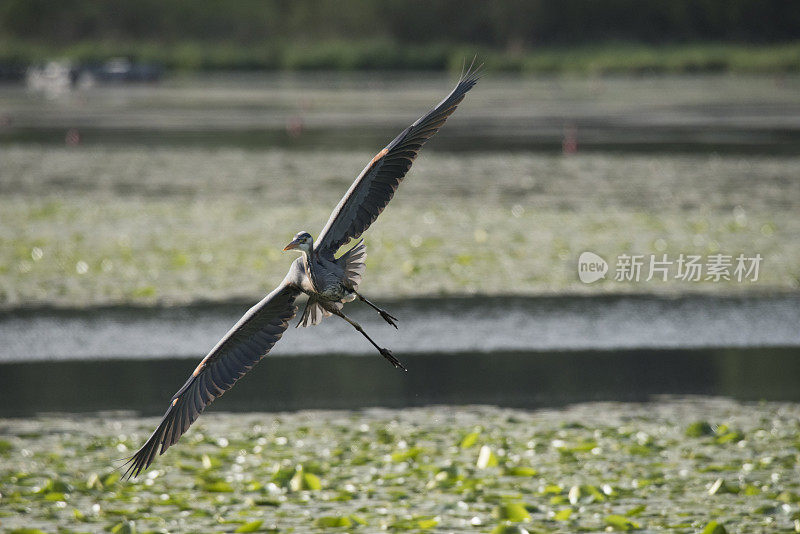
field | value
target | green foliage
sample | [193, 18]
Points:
[502, 25]
[619, 522]
[722, 434]
[333, 522]
[486, 458]
[388, 54]
[636, 510]
[407, 454]
[252, 526]
[521, 471]
[720, 486]
[469, 440]
[125, 527]
[563, 515]
[426, 523]
[506, 528]
[303, 480]
[572, 35]
[512, 511]
[714, 527]
[699, 429]
[219, 486]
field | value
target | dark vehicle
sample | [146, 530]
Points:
[123, 70]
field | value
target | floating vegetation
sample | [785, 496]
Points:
[591, 467]
[128, 225]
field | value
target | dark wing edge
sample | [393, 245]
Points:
[375, 186]
[243, 346]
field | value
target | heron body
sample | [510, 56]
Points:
[321, 277]
[328, 281]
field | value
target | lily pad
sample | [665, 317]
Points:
[713, 527]
[620, 522]
[512, 511]
[252, 526]
[334, 522]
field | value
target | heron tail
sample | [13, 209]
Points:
[314, 312]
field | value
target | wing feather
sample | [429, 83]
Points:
[242, 347]
[375, 186]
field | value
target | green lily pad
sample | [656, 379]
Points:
[619, 522]
[506, 528]
[409, 454]
[219, 486]
[714, 527]
[303, 480]
[252, 526]
[125, 527]
[563, 515]
[486, 458]
[521, 471]
[426, 523]
[699, 429]
[333, 522]
[469, 440]
[512, 511]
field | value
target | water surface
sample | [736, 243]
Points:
[507, 352]
[737, 114]
[455, 325]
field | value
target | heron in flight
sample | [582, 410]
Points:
[329, 282]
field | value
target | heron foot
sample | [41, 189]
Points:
[386, 353]
[388, 318]
[383, 313]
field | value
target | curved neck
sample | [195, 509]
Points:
[307, 249]
[308, 256]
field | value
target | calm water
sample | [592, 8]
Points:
[722, 113]
[519, 379]
[446, 325]
[508, 352]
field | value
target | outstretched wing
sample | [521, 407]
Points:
[236, 353]
[375, 186]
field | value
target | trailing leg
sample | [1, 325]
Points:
[386, 353]
[383, 313]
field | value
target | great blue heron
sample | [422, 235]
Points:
[328, 281]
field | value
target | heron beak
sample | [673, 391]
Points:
[291, 245]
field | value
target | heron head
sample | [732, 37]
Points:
[302, 241]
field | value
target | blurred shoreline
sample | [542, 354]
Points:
[381, 54]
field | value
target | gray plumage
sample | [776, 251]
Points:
[375, 186]
[242, 347]
[350, 267]
[328, 281]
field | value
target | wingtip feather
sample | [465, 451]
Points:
[472, 74]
